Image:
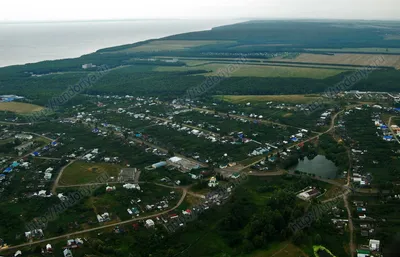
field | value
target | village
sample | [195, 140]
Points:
[154, 153]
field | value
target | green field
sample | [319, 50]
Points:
[358, 50]
[237, 99]
[247, 70]
[18, 107]
[284, 249]
[85, 173]
[169, 45]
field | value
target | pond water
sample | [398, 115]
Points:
[320, 166]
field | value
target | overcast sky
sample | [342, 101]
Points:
[43, 10]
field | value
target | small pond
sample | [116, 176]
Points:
[319, 165]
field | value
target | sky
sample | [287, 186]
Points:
[56, 10]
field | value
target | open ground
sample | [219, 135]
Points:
[83, 173]
[18, 107]
[348, 59]
[160, 45]
[266, 98]
[248, 70]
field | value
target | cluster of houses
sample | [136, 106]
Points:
[359, 178]
[382, 129]
[371, 95]
[324, 119]
[171, 219]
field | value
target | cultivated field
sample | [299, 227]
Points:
[266, 45]
[266, 98]
[349, 59]
[18, 107]
[357, 50]
[392, 37]
[167, 45]
[249, 70]
[85, 173]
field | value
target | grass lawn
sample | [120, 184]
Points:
[85, 173]
[237, 99]
[258, 70]
[283, 249]
[18, 107]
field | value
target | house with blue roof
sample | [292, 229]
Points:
[7, 170]
[388, 138]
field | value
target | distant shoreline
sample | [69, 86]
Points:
[24, 42]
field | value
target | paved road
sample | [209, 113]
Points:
[98, 228]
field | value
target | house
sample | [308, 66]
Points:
[67, 253]
[363, 253]
[42, 193]
[374, 245]
[23, 136]
[109, 188]
[158, 165]
[104, 217]
[149, 223]
[88, 66]
[213, 182]
[187, 212]
[131, 186]
[47, 176]
[37, 233]
[62, 197]
[235, 175]
[49, 249]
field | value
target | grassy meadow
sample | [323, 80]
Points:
[240, 99]
[248, 70]
[18, 107]
[85, 173]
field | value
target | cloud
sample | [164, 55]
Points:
[27, 10]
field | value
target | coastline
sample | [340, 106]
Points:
[78, 38]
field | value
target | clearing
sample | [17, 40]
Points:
[247, 70]
[358, 50]
[266, 98]
[169, 45]
[280, 250]
[85, 173]
[19, 107]
[347, 59]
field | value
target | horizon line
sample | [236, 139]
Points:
[195, 19]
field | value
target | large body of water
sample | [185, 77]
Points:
[320, 166]
[22, 43]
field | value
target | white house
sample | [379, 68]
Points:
[374, 245]
[47, 176]
[149, 223]
[88, 66]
